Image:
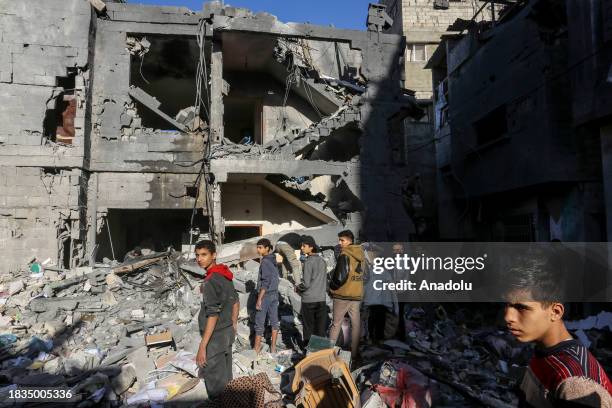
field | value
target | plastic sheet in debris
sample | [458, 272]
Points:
[186, 362]
[317, 343]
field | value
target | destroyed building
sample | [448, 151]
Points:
[517, 159]
[129, 125]
[423, 23]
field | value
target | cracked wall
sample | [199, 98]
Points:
[42, 54]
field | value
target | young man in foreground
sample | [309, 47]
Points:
[312, 290]
[218, 320]
[267, 295]
[562, 372]
[347, 298]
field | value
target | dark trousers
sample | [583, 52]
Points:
[314, 318]
[376, 322]
[218, 370]
[217, 373]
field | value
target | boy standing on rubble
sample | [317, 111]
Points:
[562, 372]
[267, 295]
[312, 289]
[218, 320]
[347, 298]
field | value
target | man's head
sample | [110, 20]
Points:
[534, 308]
[398, 248]
[345, 238]
[264, 247]
[206, 253]
[309, 245]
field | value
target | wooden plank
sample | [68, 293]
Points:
[159, 338]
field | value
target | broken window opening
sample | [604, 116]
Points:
[153, 229]
[235, 233]
[58, 123]
[243, 120]
[341, 145]
[492, 126]
[67, 253]
[53, 171]
[165, 70]
[65, 243]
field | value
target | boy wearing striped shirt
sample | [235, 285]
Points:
[562, 372]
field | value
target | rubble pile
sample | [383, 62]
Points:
[457, 360]
[443, 363]
[127, 333]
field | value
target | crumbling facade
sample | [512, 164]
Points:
[155, 126]
[424, 23]
[514, 161]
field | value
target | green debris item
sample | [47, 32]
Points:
[36, 267]
[317, 343]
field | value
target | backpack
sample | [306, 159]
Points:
[340, 274]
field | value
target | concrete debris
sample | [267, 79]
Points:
[15, 287]
[378, 19]
[98, 5]
[153, 104]
[137, 47]
[189, 118]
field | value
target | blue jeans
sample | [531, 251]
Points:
[269, 309]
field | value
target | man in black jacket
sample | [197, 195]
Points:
[218, 320]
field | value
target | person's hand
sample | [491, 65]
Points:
[201, 357]
[258, 304]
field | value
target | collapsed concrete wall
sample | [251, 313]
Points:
[156, 109]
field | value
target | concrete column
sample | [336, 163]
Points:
[216, 91]
[92, 220]
[219, 224]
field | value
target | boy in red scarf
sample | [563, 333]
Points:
[217, 320]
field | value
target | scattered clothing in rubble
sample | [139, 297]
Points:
[248, 392]
[403, 386]
[219, 297]
[566, 373]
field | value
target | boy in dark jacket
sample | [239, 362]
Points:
[267, 295]
[312, 290]
[562, 372]
[218, 320]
